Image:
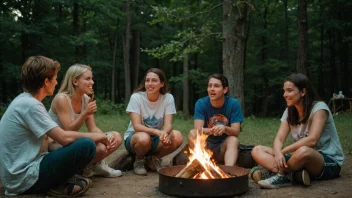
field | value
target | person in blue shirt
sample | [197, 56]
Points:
[219, 117]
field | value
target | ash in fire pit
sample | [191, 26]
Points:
[236, 184]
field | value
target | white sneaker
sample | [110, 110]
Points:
[101, 169]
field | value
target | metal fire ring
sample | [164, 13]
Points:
[184, 187]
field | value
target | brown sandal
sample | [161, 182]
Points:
[68, 191]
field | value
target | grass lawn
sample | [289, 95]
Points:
[254, 130]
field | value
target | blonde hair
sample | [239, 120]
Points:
[74, 72]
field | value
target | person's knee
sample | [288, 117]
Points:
[101, 150]
[303, 153]
[256, 150]
[178, 138]
[232, 140]
[117, 137]
[192, 135]
[142, 141]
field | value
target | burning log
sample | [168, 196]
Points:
[191, 170]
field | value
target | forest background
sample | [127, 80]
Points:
[255, 43]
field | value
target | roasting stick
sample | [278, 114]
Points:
[91, 97]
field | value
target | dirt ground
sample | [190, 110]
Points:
[131, 185]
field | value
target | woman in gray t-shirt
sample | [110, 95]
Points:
[316, 152]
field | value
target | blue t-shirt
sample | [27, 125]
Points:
[229, 113]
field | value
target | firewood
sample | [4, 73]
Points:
[191, 170]
[217, 175]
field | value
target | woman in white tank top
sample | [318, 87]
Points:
[72, 107]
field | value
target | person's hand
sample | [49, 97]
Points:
[218, 130]
[280, 161]
[165, 138]
[207, 131]
[112, 140]
[104, 139]
[91, 108]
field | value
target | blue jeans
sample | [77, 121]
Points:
[60, 165]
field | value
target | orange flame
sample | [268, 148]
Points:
[203, 155]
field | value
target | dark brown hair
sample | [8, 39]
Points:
[35, 70]
[163, 90]
[301, 82]
[222, 78]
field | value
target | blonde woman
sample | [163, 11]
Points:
[72, 107]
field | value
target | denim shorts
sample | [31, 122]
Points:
[215, 146]
[331, 167]
[155, 142]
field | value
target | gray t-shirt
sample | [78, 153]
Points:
[152, 113]
[23, 143]
[329, 142]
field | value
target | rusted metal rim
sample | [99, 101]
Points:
[184, 187]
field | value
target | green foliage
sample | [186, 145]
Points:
[106, 107]
[198, 78]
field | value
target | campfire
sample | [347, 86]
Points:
[201, 177]
[200, 165]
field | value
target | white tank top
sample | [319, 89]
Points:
[73, 115]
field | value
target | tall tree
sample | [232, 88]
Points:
[185, 108]
[234, 43]
[302, 54]
[126, 50]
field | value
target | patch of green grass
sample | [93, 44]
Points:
[254, 131]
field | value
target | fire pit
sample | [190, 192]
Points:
[189, 187]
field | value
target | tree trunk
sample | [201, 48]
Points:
[264, 57]
[285, 51]
[126, 51]
[113, 72]
[185, 88]
[136, 35]
[321, 63]
[302, 55]
[228, 48]
[233, 48]
[135, 59]
[332, 62]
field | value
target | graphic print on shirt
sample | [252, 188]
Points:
[218, 119]
[153, 122]
[302, 134]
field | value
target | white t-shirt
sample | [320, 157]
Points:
[152, 113]
[329, 142]
[23, 143]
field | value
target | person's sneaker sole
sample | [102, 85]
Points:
[118, 174]
[305, 178]
[268, 186]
